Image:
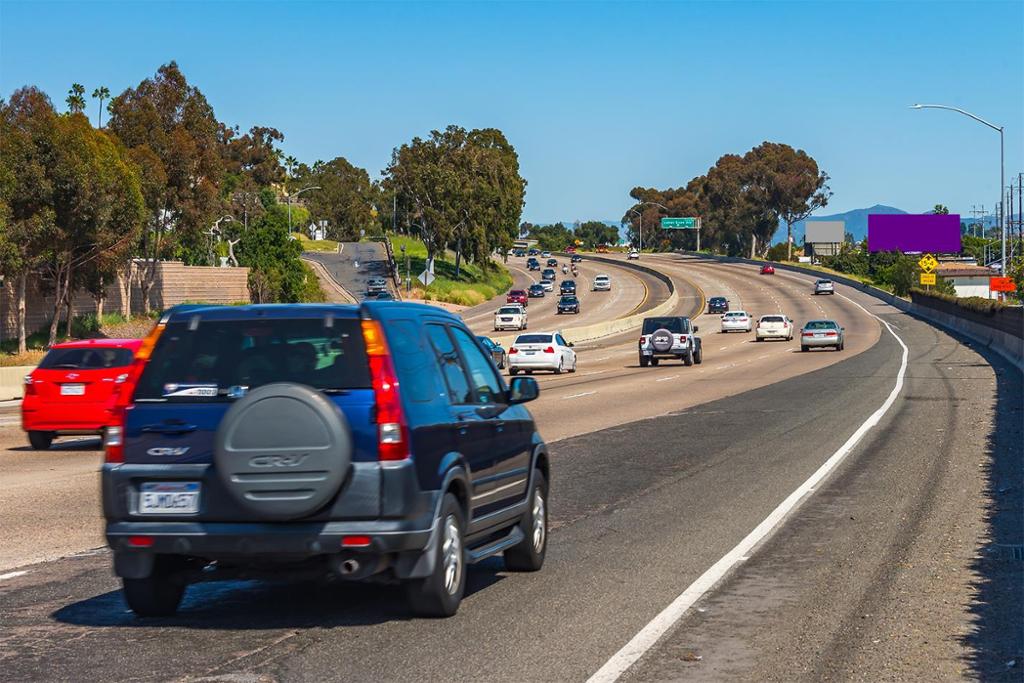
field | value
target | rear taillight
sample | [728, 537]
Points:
[513, 350]
[113, 436]
[30, 386]
[808, 334]
[392, 430]
[550, 349]
[831, 334]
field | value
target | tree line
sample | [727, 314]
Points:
[741, 201]
[557, 236]
[162, 178]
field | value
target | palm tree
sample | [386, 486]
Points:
[76, 98]
[101, 93]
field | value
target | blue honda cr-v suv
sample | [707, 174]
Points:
[371, 441]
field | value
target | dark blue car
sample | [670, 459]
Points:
[373, 441]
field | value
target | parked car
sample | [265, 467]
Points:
[819, 333]
[767, 269]
[634, 255]
[567, 287]
[602, 283]
[548, 274]
[72, 391]
[824, 287]
[739, 321]
[535, 291]
[718, 304]
[510, 317]
[541, 351]
[669, 337]
[568, 303]
[517, 296]
[775, 326]
[496, 350]
[321, 440]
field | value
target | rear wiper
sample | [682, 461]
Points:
[66, 366]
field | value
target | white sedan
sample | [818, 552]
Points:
[510, 317]
[602, 283]
[737, 320]
[541, 351]
[775, 326]
[634, 255]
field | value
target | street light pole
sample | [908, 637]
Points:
[1002, 168]
[660, 206]
[305, 189]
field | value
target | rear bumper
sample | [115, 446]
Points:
[772, 334]
[730, 327]
[820, 341]
[539, 362]
[60, 419]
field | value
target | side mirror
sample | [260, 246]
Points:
[522, 390]
[697, 329]
[570, 344]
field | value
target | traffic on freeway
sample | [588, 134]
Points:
[232, 395]
[512, 342]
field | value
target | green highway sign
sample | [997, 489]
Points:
[679, 223]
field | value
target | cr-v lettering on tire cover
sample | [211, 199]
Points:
[661, 340]
[283, 451]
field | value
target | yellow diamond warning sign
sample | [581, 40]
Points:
[928, 263]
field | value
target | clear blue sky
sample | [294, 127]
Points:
[596, 98]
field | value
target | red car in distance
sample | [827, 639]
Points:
[517, 296]
[74, 388]
[767, 269]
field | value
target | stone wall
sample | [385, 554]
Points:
[175, 283]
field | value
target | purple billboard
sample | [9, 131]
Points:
[914, 232]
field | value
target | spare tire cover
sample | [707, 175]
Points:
[661, 340]
[283, 451]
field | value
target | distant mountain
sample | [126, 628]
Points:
[856, 223]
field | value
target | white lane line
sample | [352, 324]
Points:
[665, 379]
[595, 372]
[650, 634]
[11, 575]
[585, 393]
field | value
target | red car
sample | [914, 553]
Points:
[767, 269]
[73, 389]
[517, 296]
[570, 250]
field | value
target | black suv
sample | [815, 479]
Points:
[718, 304]
[567, 287]
[373, 441]
[532, 264]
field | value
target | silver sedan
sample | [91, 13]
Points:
[822, 333]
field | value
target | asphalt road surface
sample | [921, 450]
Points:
[354, 265]
[898, 565]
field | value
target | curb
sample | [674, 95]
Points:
[325, 274]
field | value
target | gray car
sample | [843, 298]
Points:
[818, 333]
[824, 287]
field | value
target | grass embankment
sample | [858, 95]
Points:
[316, 245]
[474, 285]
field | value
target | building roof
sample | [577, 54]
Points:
[963, 270]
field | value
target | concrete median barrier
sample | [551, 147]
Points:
[12, 381]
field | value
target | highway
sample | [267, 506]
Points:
[699, 487]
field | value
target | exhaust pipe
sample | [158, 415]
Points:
[349, 567]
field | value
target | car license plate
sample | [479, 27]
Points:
[530, 353]
[72, 389]
[169, 498]
[819, 336]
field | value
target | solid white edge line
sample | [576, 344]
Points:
[11, 575]
[650, 634]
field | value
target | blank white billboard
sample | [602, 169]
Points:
[825, 232]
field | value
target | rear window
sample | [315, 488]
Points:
[569, 299]
[824, 282]
[736, 314]
[820, 325]
[517, 292]
[773, 319]
[227, 357]
[673, 325]
[533, 339]
[91, 358]
[509, 310]
[717, 300]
